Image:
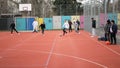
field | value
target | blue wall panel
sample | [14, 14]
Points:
[29, 23]
[49, 23]
[65, 18]
[112, 16]
[21, 24]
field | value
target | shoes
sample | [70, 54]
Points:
[11, 34]
[113, 43]
[18, 33]
[92, 36]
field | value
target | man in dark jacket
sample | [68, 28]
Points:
[113, 32]
[42, 27]
[93, 27]
[12, 27]
[70, 26]
[107, 30]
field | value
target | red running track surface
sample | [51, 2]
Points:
[33, 50]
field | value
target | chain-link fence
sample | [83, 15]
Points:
[92, 8]
[68, 10]
[101, 11]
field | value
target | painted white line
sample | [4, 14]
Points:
[101, 65]
[19, 44]
[104, 46]
[1, 57]
[31, 65]
[51, 51]
[44, 52]
[108, 48]
[84, 59]
[74, 57]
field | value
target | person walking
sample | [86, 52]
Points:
[65, 26]
[35, 26]
[93, 27]
[70, 26]
[113, 32]
[12, 27]
[43, 28]
[78, 26]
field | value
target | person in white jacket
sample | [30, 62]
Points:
[35, 26]
[65, 26]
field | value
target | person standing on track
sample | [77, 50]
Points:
[93, 27]
[107, 30]
[78, 26]
[113, 32]
[12, 27]
[43, 27]
[35, 26]
[70, 26]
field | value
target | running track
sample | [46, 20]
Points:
[32, 50]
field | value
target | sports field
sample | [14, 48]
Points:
[33, 50]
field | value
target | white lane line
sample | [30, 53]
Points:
[101, 65]
[51, 51]
[70, 56]
[84, 59]
[104, 46]
[1, 57]
[19, 44]
[22, 66]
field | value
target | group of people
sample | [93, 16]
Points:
[111, 31]
[110, 28]
[68, 25]
[34, 24]
[35, 27]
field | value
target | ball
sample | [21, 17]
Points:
[107, 43]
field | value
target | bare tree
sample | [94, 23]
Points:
[118, 5]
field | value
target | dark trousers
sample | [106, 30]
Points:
[34, 30]
[113, 38]
[107, 37]
[64, 31]
[14, 30]
[42, 31]
[70, 28]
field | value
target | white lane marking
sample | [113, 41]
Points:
[51, 51]
[101, 65]
[104, 46]
[70, 56]
[1, 57]
[19, 44]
